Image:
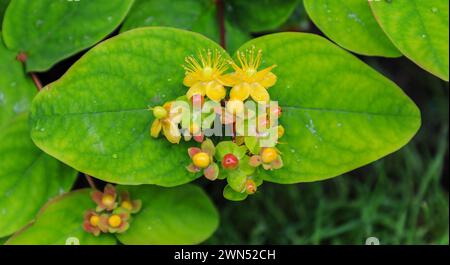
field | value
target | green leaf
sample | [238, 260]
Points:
[16, 89]
[181, 215]
[60, 221]
[196, 15]
[350, 23]
[339, 114]
[183, 14]
[49, 31]
[419, 29]
[264, 15]
[28, 177]
[3, 5]
[96, 118]
[232, 195]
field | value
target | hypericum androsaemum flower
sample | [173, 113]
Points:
[203, 159]
[247, 81]
[117, 222]
[105, 200]
[205, 76]
[92, 223]
[269, 158]
[167, 121]
[126, 203]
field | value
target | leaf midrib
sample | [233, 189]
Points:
[283, 106]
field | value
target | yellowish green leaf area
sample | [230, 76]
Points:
[419, 29]
[28, 177]
[265, 15]
[96, 117]
[196, 15]
[339, 113]
[60, 221]
[49, 31]
[350, 23]
[181, 215]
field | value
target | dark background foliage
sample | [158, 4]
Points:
[401, 199]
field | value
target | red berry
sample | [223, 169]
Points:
[230, 161]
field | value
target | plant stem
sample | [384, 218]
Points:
[221, 21]
[22, 57]
[90, 181]
[36, 81]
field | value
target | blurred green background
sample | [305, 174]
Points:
[401, 199]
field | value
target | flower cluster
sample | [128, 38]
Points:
[112, 214]
[245, 113]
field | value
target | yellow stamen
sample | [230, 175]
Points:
[114, 221]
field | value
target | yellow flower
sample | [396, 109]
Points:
[167, 121]
[247, 81]
[205, 76]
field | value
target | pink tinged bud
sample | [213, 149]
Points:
[193, 151]
[192, 168]
[255, 161]
[199, 138]
[211, 172]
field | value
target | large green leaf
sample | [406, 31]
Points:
[183, 14]
[3, 6]
[263, 15]
[180, 215]
[96, 118]
[339, 114]
[51, 30]
[196, 15]
[350, 23]
[60, 222]
[419, 29]
[16, 89]
[28, 177]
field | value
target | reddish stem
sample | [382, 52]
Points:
[22, 57]
[90, 181]
[221, 21]
[36, 81]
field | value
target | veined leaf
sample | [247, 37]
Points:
[49, 31]
[16, 89]
[96, 117]
[419, 29]
[60, 222]
[28, 177]
[339, 114]
[180, 215]
[350, 23]
[196, 15]
[263, 15]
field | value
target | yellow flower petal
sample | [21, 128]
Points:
[215, 91]
[240, 91]
[269, 80]
[259, 93]
[171, 132]
[229, 79]
[190, 80]
[156, 128]
[198, 88]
